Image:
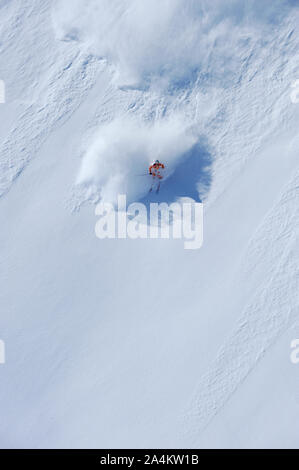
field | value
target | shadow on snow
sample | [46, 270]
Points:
[191, 178]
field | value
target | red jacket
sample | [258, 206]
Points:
[155, 168]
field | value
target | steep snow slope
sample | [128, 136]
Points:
[140, 343]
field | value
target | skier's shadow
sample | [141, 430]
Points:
[191, 178]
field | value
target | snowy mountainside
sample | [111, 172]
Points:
[140, 343]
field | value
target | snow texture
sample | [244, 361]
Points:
[140, 343]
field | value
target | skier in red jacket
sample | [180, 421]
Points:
[155, 171]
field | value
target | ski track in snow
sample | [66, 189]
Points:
[64, 79]
[272, 309]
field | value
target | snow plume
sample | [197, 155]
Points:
[117, 159]
[173, 40]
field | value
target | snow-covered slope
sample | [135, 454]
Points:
[140, 343]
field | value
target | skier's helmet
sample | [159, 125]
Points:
[157, 162]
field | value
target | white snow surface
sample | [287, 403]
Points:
[140, 343]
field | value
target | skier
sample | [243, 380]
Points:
[155, 172]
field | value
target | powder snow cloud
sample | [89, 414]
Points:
[166, 45]
[120, 152]
[170, 39]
